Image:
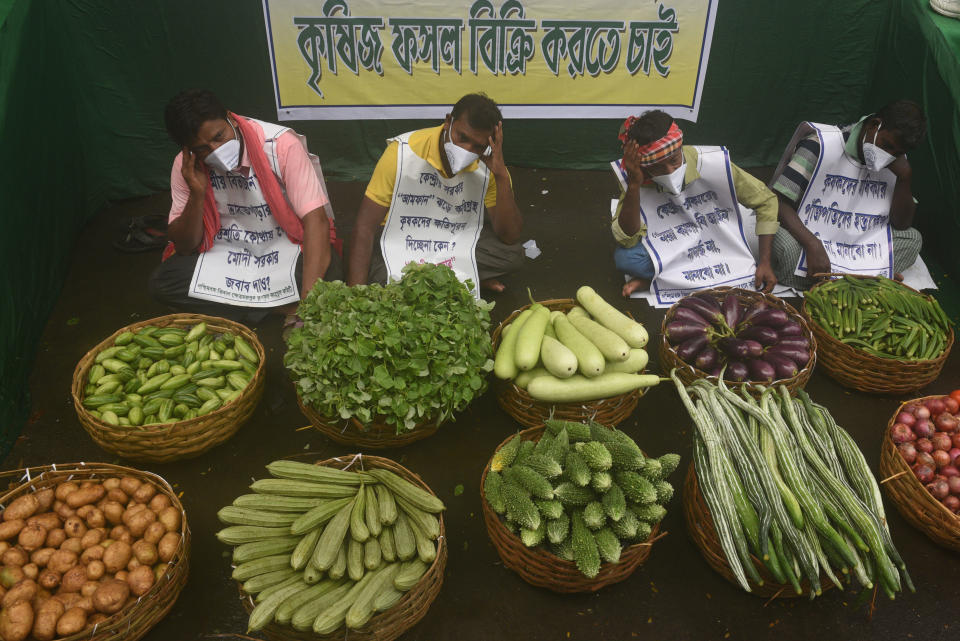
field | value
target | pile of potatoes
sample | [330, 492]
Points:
[79, 552]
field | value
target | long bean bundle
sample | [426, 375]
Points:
[787, 485]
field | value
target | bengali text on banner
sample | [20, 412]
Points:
[360, 59]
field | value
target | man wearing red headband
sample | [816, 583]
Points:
[246, 199]
[688, 195]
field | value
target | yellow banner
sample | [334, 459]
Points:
[355, 59]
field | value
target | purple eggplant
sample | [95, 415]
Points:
[702, 307]
[734, 347]
[761, 370]
[801, 342]
[754, 349]
[715, 371]
[761, 334]
[731, 310]
[797, 355]
[688, 315]
[771, 318]
[688, 349]
[785, 367]
[707, 359]
[679, 331]
[790, 328]
[708, 299]
[760, 307]
[736, 371]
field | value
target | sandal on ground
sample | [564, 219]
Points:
[290, 323]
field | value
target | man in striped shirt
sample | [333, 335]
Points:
[896, 129]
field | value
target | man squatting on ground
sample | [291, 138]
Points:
[467, 148]
[873, 149]
[656, 162]
[230, 164]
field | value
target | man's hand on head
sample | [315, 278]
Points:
[901, 167]
[494, 160]
[194, 172]
[631, 163]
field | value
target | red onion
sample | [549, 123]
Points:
[911, 407]
[908, 451]
[921, 412]
[954, 453]
[941, 441]
[951, 405]
[949, 471]
[906, 418]
[941, 458]
[924, 473]
[952, 503]
[924, 445]
[923, 428]
[939, 489]
[954, 483]
[901, 433]
[935, 405]
[955, 437]
[946, 422]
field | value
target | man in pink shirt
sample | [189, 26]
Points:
[248, 225]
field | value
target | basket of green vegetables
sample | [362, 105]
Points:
[352, 547]
[780, 500]
[573, 507]
[383, 366]
[571, 360]
[877, 335]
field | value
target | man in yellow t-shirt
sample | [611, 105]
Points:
[472, 133]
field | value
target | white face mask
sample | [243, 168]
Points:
[226, 157]
[874, 157]
[673, 182]
[458, 157]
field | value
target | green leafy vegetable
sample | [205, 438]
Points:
[414, 350]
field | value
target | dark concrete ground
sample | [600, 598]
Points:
[675, 595]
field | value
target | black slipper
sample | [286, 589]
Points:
[141, 240]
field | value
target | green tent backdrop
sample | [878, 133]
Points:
[83, 84]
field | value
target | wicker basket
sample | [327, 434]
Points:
[135, 620]
[538, 566]
[530, 412]
[704, 534]
[857, 369]
[183, 439]
[378, 435]
[408, 611]
[913, 501]
[688, 373]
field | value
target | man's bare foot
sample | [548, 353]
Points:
[492, 285]
[898, 277]
[633, 285]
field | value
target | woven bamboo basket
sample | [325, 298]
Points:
[857, 369]
[530, 412]
[704, 534]
[538, 566]
[136, 619]
[407, 612]
[688, 373]
[171, 441]
[912, 500]
[375, 436]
